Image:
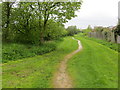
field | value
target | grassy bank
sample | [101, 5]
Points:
[96, 66]
[110, 45]
[36, 72]
[15, 51]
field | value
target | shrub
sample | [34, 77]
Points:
[72, 30]
[14, 51]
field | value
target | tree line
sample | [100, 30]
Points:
[36, 22]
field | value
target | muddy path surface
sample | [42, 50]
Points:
[61, 77]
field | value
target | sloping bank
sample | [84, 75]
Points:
[96, 66]
[36, 72]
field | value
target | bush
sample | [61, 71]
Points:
[72, 30]
[14, 51]
[54, 30]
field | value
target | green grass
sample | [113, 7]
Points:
[36, 72]
[111, 45]
[96, 66]
[15, 51]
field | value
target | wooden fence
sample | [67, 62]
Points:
[109, 36]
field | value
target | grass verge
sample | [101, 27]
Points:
[110, 45]
[96, 66]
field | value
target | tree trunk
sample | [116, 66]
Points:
[7, 21]
[41, 37]
[7, 11]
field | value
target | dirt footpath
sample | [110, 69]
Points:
[61, 78]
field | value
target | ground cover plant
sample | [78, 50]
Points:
[15, 51]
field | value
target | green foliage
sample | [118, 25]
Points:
[54, 30]
[30, 38]
[98, 29]
[22, 20]
[89, 27]
[117, 30]
[72, 30]
[86, 31]
[14, 51]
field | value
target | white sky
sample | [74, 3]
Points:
[96, 13]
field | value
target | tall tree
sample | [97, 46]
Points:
[6, 13]
[27, 16]
[58, 11]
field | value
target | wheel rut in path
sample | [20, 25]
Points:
[61, 77]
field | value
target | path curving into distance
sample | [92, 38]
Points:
[61, 78]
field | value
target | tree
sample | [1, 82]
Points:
[89, 27]
[117, 30]
[6, 14]
[26, 17]
[54, 30]
[25, 22]
[72, 30]
[59, 11]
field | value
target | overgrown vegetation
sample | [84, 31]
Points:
[71, 30]
[36, 22]
[15, 51]
[86, 31]
[26, 26]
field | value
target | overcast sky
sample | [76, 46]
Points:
[96, 13]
